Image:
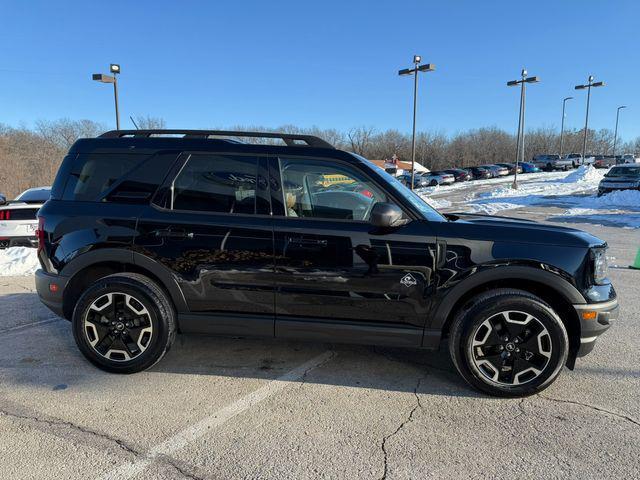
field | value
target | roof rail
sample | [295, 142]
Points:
[290, 139]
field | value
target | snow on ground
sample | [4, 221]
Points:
[575, 191]
[18, 261]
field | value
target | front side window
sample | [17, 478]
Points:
[322, 189]
[219, 183]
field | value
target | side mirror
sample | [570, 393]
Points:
[387, 215]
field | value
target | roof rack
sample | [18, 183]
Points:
[291, 140]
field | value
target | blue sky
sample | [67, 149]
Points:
[202, 64]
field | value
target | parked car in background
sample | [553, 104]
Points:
[460, 174]
[479, 173]
[511, 167]
[620, 177]
[550, 162]
[418, 180]
[529, 167]
[628, 158]
[446, 178]
[604, 161]
[19, 218]
[496, 171]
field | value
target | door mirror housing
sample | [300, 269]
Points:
[387, 215]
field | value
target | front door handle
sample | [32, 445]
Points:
[308, 242]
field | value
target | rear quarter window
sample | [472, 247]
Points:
[121, 178]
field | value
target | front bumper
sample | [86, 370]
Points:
[52, 299]
[607, 189]
[595, 319]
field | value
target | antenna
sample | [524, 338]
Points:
[134, 122]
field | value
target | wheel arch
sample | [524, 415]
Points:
[94, 265]
[550, 287]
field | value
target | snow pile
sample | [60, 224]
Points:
[627, 199]
[18, 261]
[585, 173]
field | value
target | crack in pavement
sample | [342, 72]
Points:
[54, 422]
[178, 467]
[408, 420]
[592, 407]
[303, 378]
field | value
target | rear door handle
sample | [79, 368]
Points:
[175, 234]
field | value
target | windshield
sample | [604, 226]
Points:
[427, 211]
[624, 172]
[35, 195]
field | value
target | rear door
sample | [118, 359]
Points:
[337, 277]
[212, 229]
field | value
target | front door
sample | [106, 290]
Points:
[213, 232]
[337, 277]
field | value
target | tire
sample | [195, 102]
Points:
[135, 331]
[433, 183]
[475, 346]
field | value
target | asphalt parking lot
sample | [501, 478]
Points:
[245, 408]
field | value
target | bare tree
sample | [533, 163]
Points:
[148, 122]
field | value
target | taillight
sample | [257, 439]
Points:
[40, 233]
[5, 214]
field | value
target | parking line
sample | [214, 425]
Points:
[217, 419]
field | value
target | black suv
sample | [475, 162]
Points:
[150, 233]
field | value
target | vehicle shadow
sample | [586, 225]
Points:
[44, 355]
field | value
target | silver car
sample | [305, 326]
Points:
[19, 220]
[437, 178]
[620, 177]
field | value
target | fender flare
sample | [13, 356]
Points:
[116, 255]
[553, 280]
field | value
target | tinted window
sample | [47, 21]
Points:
[624, 172]
[319, 189]
[93, 175]
[40, 195]
[220, 183]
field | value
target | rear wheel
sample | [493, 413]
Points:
[433, 183]
[124, 323]
[509, 343]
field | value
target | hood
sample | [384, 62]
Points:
[630, 178]
[506, 229]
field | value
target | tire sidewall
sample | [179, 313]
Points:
[486, 309]
[160, 335]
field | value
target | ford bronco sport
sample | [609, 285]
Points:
[153, 232]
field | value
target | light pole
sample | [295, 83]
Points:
[523, 80]
[428, 67]
[564, 101]
[615, 135]
[100, 77]
[586, 118]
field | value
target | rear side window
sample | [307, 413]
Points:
[108, 177]
[93, 175]
[220, 183]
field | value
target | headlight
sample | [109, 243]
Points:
[600, 265]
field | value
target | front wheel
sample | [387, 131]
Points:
[508, 343]
[124, 323]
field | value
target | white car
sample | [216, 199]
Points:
[18, 218]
